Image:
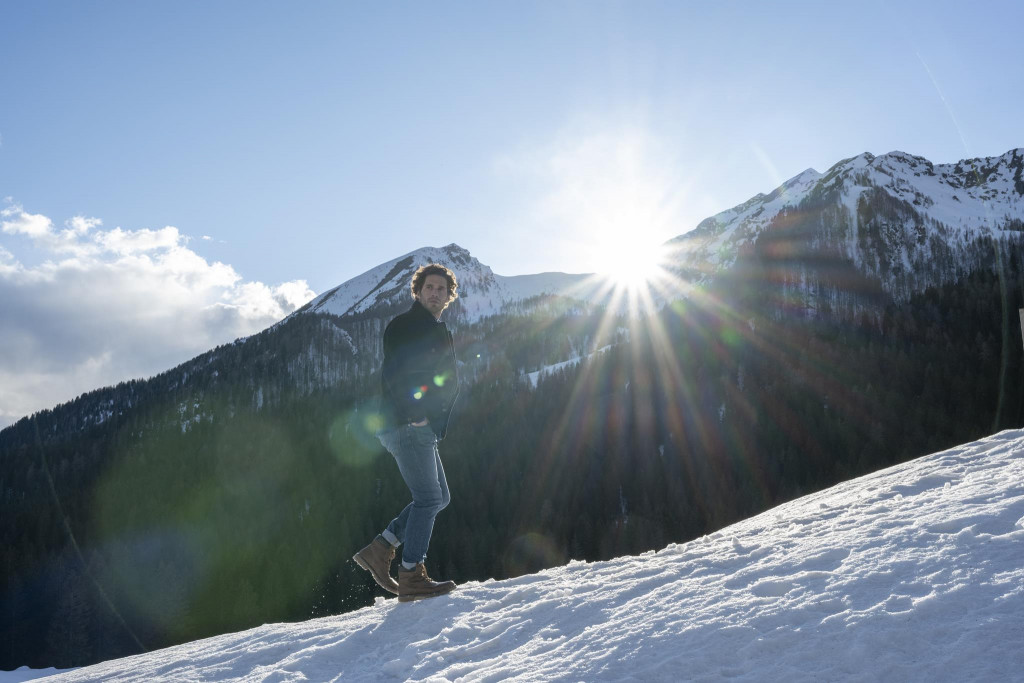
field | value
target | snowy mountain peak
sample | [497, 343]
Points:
[807, 176]
[929, 207]
[796, 186]
[720, 230]
[481, 292]
[909, 160]
[388, 282]
[451, 255]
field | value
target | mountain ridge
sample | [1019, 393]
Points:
[882, 226]
[992, 204]
[481, 291]
[947, 203]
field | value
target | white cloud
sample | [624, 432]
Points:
[111, 305]
[120, 241]
[17, 222]
[79, 225]
[293, 294]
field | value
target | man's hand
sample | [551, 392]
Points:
[421, 423]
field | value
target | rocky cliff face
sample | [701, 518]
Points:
[898, 219]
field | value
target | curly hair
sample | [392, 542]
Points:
[420, 276]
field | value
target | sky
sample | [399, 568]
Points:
[909, 574]
[175, 175]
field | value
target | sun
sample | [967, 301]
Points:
[632, 264]
[633, 275]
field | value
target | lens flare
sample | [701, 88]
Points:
[531, 553]
[353, 437]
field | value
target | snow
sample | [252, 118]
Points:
[985, 204]
[535, 376]
[481, 291]
[25, 674]
[936, 191]
[353, 295]
[913, 573]
[746, 219]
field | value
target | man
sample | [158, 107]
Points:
[419, 383]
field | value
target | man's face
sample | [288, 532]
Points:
[434, 294]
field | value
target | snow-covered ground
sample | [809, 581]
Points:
[25, 674]
[915, 573]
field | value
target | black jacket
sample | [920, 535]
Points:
[419, 377]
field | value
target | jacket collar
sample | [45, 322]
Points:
[421, 310]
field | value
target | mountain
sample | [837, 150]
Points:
[232, 490]
[340, 343]
[869, 232]
[898, 219]
[896, 222]
[481, 292]
[912, 573]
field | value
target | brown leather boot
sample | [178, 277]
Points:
[414, 584]
[376, 558]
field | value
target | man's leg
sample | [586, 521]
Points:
[378, 555]
[415, 452]
[420, 465]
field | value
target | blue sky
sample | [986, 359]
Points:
[268, 151]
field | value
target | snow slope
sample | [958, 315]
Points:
[915, 573]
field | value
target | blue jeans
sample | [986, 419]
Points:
[415, 451]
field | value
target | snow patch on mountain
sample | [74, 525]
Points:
[535, 376]
[912, 573]
[974, 193]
